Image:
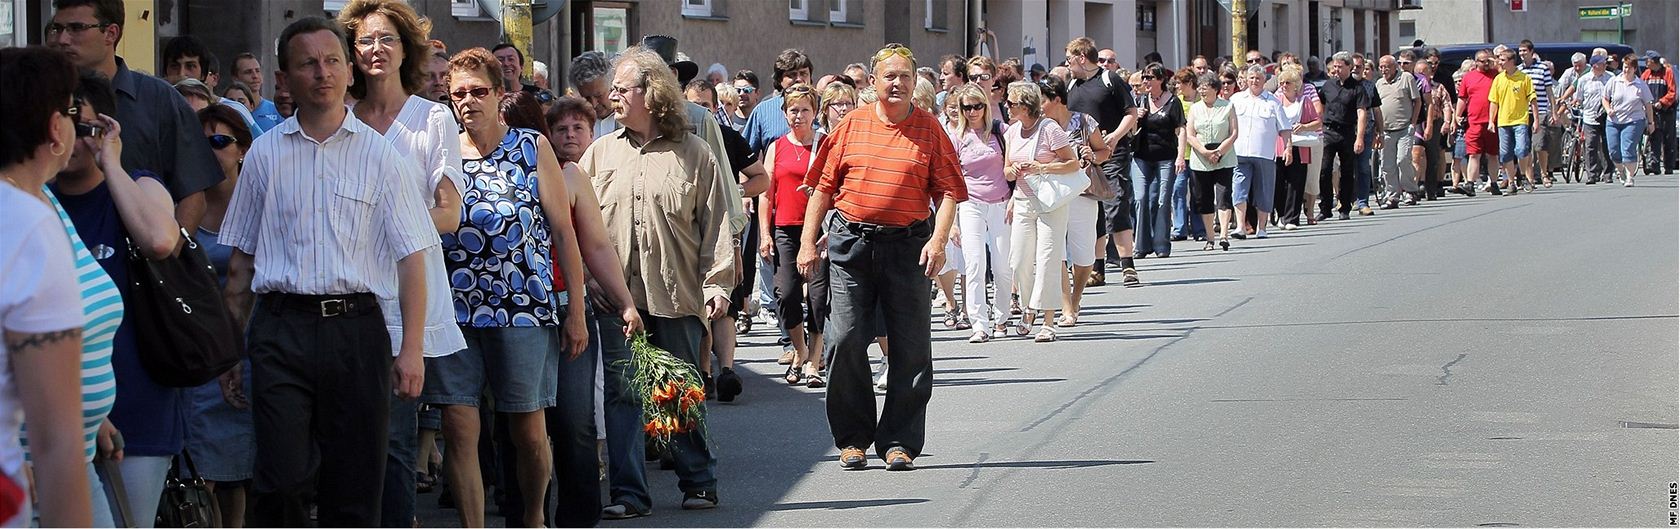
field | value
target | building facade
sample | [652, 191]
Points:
[1651, 25]
[1037, 30]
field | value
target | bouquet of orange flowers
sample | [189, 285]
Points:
[672, 397]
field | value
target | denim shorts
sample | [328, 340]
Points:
[1623, 139]
[520, 365]
[1513, 142]
[221, 439]
[1458, 146]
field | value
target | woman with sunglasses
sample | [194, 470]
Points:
[1155, 159]
[516, 320]
[53, 289]
[1297, 188]
[1210, 136]
[983, 219]
[391, 49]
[110, 207]
[1085, 134]
[220, 434]
[1035, 146]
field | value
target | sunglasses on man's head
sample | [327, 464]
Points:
[221, 141]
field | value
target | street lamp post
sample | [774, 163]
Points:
[1239, 29]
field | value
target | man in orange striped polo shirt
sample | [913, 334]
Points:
[880, 169]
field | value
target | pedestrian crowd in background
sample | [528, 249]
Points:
[410, 244]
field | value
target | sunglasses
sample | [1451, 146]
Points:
[1150, 78]
[220, 141]
[894, 49]
[1252, 61]
[86, 130]
[545, 97]
[974, 108]
[1015, 103]
[744, 90]
[1228, 83]
[1104, 60]
[480, 93]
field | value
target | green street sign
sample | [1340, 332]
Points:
[1605, 12]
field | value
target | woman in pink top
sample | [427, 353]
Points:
[1036, 146]
[982, 220]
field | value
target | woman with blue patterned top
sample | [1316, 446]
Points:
[514, 209]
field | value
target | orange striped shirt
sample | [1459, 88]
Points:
[886, 174]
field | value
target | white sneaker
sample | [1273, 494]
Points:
[980, 336]
[1628, 182]
[881, 381]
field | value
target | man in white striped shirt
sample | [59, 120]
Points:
[321, 227]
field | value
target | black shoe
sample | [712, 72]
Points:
[697, 500]
[710, 385]
[622, 511]
[1177, 238]
[1470, 190]
[1239, 235]
[1323, 217]
[728, 385]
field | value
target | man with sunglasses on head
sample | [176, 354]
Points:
[882, 246]
[159, 131]
[1098, 92]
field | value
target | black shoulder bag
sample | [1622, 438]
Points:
[187, 501]
[187, 336]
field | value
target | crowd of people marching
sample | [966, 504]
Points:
[410, 245]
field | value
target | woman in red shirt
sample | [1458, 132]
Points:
[781, 219]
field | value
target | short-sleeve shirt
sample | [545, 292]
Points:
[1590, 89]
[982, 163]
[1397, 98]
[1541, 76]
[1627, 100]
[1157, 137]
[38, 294]
[1040, 146]
[1259, 119]
[148, 414]
[1474, 90]
[1210, 125]
[160, 133]
[328, 216]
[1104, 96]
[1342, 102]
[1512, 92]
[765, 124]
[886, 173]
[500, 272]
[267, 115]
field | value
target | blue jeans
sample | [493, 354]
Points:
[396, 508]
[1624, 140]
[1258, 175]
[1364, 178]
[1152, 210]
[626, 446]
[1513, 142]
[571, 429]
[1185, 223]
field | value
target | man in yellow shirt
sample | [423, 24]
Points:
[1512, 104]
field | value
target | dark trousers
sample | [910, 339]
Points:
[626, 444]
[792, 288]
[695, 465]
[1598, 152]
[1332, 185]
[1663, 144]
[402, 448]
[574, 492]
[1291, 189]
[870, 272]
[319, 404]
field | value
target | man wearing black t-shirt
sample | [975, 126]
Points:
[1100, 93]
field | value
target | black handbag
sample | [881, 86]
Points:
[186, 501]
[187, 336]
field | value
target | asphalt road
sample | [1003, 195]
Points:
[1482, 361]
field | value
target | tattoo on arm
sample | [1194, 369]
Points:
[23, 343]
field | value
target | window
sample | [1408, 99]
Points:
[935, 18]
[1408, 31]
[697, 8]
[837, 12]
[612, 28]
[798, 10]
[333, 6]
[1146, 17]
[465, 9]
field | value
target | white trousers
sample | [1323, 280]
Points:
[1038, 241]
[985, 233]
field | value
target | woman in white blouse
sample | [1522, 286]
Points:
[383, 35]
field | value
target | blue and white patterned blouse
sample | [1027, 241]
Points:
[500, 274]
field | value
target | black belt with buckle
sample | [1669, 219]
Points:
[877, 231]
[326, 306]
